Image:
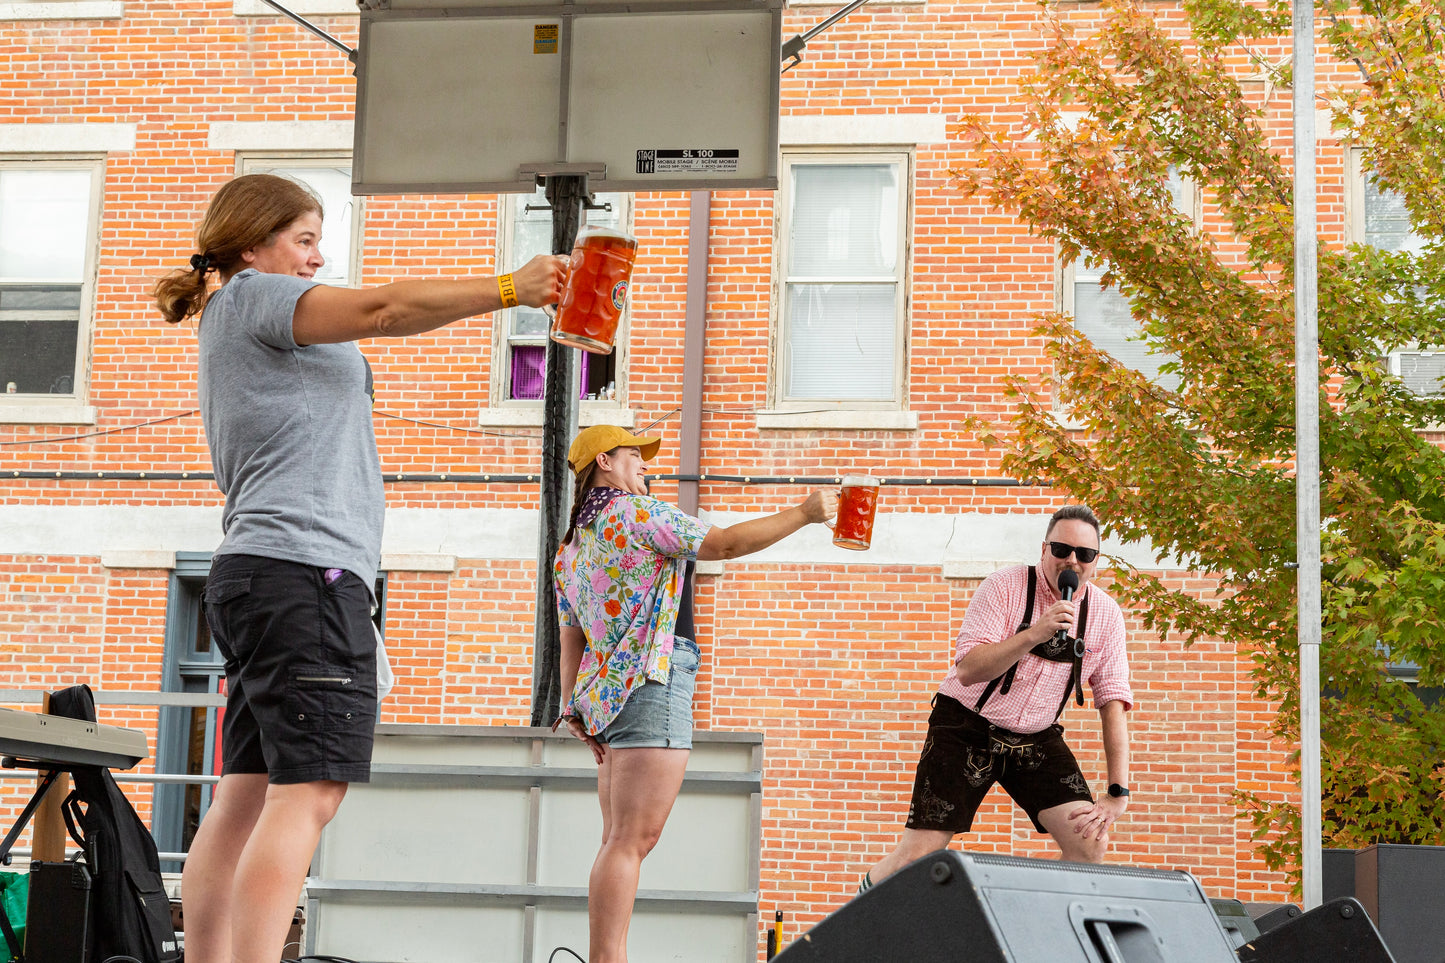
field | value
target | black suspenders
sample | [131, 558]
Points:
[1072, 650]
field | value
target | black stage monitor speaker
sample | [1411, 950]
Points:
[1269, 915]
[57, 918]
[1340, 931]
[1234, 917]
[976, 908]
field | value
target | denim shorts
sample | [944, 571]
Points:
[658, 715]
[300, 657]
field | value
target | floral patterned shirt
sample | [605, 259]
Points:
[620, 581]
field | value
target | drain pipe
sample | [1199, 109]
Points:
[694, 334]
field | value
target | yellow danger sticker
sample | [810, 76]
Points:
[544, 38]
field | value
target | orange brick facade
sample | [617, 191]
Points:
[833, 660]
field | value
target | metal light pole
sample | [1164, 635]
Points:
[566, 193]
[1307, 444]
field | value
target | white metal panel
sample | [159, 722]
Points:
[468, 832]
[435, 834]
[702, 847]
[421, 934]
[450, 103]
[699, 89]
[656, 937]
[478, 96]
[421, 749]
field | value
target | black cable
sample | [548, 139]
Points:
[565, 949]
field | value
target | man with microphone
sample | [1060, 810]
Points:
[1032, 635]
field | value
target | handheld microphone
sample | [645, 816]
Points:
[1068, 583]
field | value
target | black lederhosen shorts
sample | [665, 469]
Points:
[300, 669]
[964, 755]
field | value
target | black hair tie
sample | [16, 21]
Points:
[200, 262]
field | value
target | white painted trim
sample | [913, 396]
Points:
[974, 569]
[255, 8]
[843, 419]
[422, 539]
[714, 567]
[835, 4]
[70, 414]
[531, 416]
[65, 138]
[418, 563]
[798, 130]
[64, 10]
[141, 559]
[281, 135]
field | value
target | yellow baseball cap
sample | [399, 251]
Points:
[591, 442]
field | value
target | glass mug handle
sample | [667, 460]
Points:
[832, 523]
[550, 310]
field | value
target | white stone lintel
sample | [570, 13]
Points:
[139, 559]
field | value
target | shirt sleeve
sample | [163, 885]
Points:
[660, 527]
[1110, 679]
[565, 614]
[991, 615]
[270, 306]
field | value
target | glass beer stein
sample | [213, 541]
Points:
[857, 503]
[596, 289]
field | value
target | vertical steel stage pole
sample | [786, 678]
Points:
[566, 194]
[1307, 444]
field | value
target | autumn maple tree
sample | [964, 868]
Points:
[1199, 462]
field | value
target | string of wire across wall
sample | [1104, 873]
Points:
[497, 478]
[482, 478]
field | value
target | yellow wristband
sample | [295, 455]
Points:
[508, 291]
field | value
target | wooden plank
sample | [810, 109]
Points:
[47, 840]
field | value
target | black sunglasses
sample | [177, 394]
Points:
[1064, 550]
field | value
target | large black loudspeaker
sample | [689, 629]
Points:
[1403, 890]
[977, 908]
[1340, 931]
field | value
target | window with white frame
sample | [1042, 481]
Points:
[49, 234]
[1381, 220]
[329, 177]
[1106, 316]
[842, 319]
[521, 346]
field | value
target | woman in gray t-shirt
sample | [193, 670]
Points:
[286, 402]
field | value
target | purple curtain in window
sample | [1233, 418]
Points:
[529, 371]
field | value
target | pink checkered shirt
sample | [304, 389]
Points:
[994, 615]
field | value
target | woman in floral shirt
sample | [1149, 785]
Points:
[620, 573]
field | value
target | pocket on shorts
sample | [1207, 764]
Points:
[325, 699]
[685, 655]
[226, 597]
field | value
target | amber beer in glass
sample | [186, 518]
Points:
[857, 502]
[596, 289]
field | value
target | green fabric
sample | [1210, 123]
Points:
[14, 894]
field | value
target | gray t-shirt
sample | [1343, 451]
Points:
[290, 431]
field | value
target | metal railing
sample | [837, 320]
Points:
[126, 697]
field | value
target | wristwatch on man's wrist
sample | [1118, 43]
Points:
[1117, 790]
